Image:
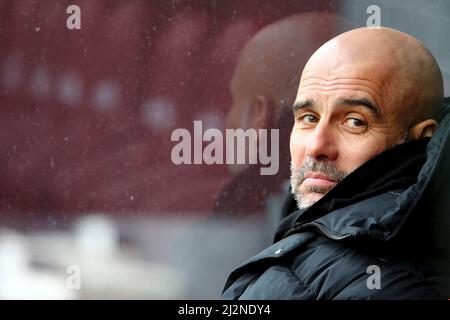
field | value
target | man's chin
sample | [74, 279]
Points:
[307, 200]
[315, 196]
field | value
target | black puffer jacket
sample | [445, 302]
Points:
[393, 212]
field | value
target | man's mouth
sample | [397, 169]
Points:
[319, 180]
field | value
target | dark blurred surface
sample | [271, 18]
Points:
[86, 115]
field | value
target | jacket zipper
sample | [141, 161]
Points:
[321, 228]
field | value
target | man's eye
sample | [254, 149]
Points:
[355, 123]
[308, 119]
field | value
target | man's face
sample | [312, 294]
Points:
[343, 117]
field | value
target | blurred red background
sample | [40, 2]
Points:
[86, 115]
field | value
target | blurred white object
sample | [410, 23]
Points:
[86, 263]
[110, 272]
[163, 258]
[14, 256]
[96, 235]
[18, 280]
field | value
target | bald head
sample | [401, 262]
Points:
[401, 73]
[269, 65]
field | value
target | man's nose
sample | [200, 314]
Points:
[321, 144]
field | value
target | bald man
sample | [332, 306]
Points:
[356, 228]
[263, 89]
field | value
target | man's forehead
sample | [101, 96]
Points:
[370, 78]
[375, 70]
[359, 79]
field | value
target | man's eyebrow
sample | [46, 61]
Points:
[372, 107]
[301, 105]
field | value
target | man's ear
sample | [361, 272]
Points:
[261, 112]
[424, 129]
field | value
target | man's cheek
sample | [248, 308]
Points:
[297, 152]
[357, 156]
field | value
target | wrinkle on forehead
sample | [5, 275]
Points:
[310, 79]
[312, 83]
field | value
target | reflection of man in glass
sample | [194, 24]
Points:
[367, 104]
[263, 88]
